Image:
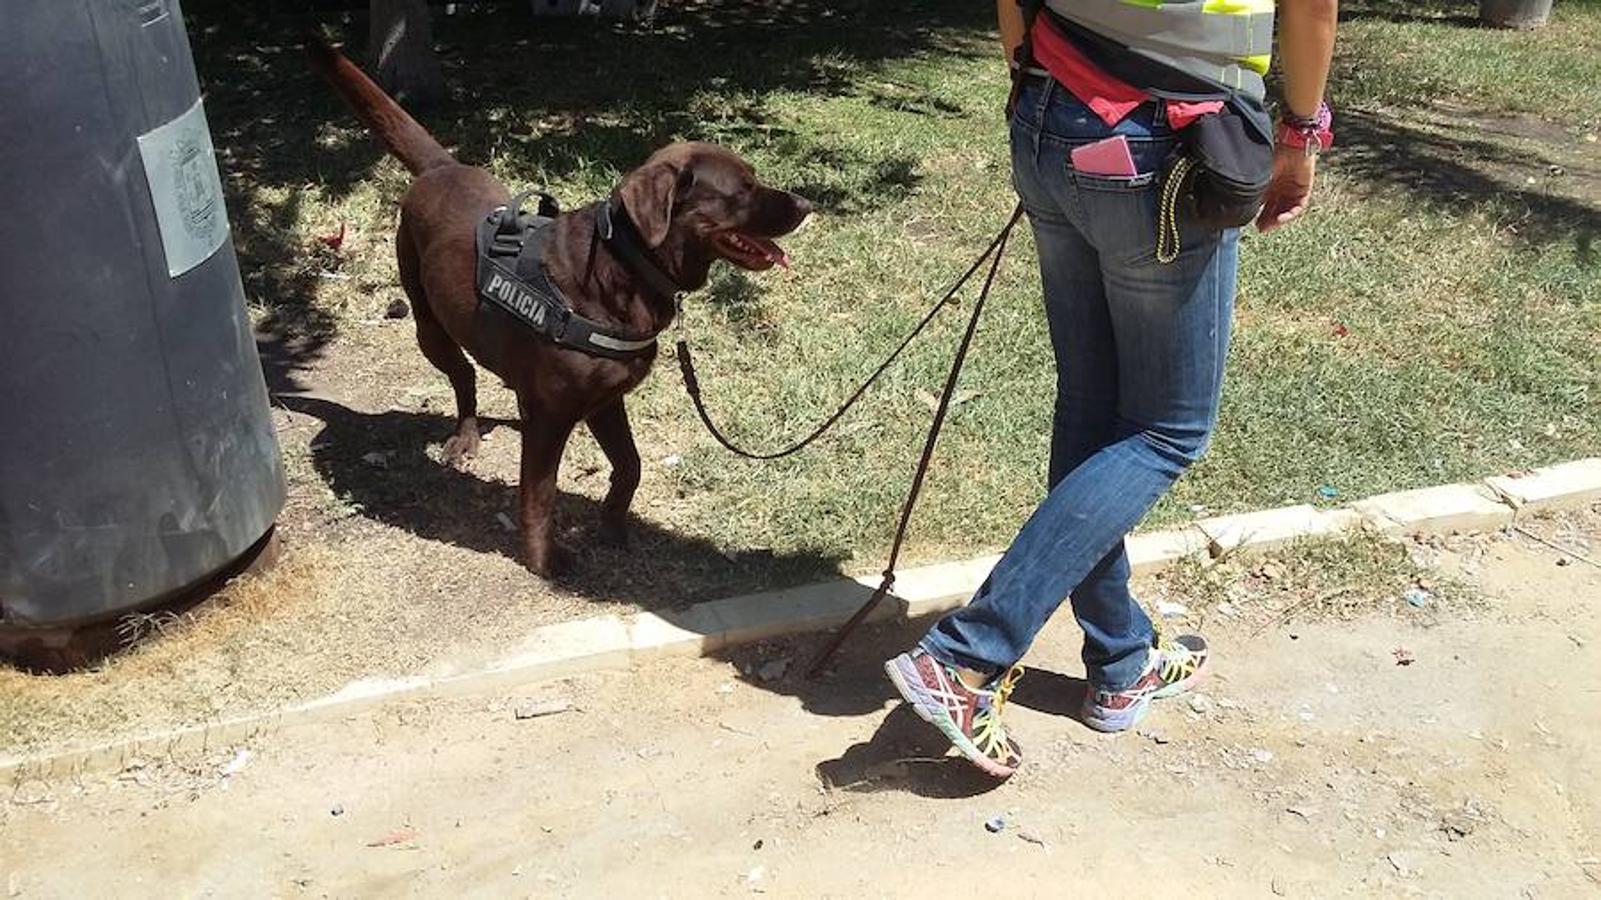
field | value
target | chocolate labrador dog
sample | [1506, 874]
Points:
[690, 205]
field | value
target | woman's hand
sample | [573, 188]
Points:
[1290, 191]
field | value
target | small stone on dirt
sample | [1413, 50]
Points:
[1418, 597]
[1169, 609]
[1262, 756]
[397, 310]
[337, 810]
[1404, 657]
[540, 708]
[1403, 863]
[1457, 826]
[237, 764]
[1200, 704]
[505, 522]
[1153, 735]
[995, 825]
[672, 460]
[773, 669]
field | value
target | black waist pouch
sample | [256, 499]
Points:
[1216, 180]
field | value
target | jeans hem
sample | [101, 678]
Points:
[955, 661]
[1099, 682]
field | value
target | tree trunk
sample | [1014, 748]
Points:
[400, 41]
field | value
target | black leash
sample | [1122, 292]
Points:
[686, 365]
[884, 586]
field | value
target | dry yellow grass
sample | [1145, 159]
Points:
[246, 649]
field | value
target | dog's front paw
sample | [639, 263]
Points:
[462, 446]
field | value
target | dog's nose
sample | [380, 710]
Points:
[803, 208]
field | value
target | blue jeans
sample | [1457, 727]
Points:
[1139, 350]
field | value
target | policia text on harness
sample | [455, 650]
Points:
[513, 284]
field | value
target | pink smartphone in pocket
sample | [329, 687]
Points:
[1108, 157]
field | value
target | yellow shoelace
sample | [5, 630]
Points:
[1003, 691]
[988, 731]
[1178, 661]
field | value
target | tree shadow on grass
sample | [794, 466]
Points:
[550, 97]
[1449, 13]
[1472, 168]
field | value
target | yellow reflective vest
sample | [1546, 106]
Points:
[1228, 42]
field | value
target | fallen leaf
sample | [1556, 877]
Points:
[335, 240]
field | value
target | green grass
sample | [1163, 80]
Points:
[1403, 52]
[1472, 297]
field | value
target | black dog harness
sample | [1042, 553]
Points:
[512, 280]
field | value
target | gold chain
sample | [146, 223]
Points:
[1167, 225]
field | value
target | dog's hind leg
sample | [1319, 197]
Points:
[609, 425]
[443, 352]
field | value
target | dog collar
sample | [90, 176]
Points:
[616, 229]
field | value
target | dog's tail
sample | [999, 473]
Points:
[407, 140]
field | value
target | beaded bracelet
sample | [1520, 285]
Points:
[1313, 134]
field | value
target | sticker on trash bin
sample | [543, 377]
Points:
[181, 168]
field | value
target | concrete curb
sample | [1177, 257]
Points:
[608, 642]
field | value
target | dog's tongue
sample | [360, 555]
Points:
[774, 253]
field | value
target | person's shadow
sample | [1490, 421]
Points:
[908, 754]
[904, 753]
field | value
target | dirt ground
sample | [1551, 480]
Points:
[1313, 763]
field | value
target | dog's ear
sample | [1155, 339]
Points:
[649, 193]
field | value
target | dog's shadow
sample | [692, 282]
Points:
[376, 465]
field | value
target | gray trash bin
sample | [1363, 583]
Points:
[137, 454]
[1515, 13]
